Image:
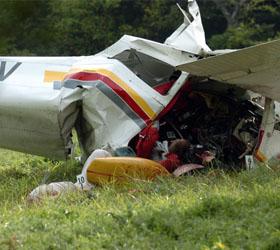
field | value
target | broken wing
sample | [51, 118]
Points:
[255, 68]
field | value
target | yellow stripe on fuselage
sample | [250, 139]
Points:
[51, 76]
[133, 94]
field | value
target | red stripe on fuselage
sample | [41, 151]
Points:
[85, 76]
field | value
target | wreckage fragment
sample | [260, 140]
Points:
[53, 189]
[123, 169]
[112, 96]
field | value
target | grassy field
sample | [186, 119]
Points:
[214, 210]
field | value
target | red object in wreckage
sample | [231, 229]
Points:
[171, 162]
[146, 141]
[178, 100]
[149, 135]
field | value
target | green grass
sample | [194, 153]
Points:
[214, 210]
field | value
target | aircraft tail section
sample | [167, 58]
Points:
[190, 35]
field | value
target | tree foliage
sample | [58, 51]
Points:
[83, 27]
[248, 22]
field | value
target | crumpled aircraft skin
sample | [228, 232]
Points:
[110, 97]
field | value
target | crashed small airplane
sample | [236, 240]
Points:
[209, 97]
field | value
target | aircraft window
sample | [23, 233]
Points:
[152, 71]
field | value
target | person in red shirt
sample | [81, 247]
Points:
[176, 151]
[171, 159]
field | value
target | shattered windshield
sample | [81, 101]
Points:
[147, 68]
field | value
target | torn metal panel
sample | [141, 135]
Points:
[190, 35]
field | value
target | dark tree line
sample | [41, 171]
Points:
[83, 27]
